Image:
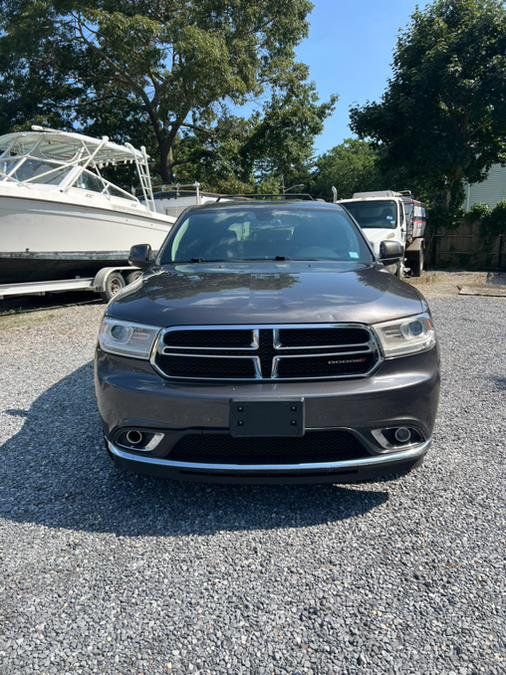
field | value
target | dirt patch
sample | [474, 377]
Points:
[28, 320]
[445, 284]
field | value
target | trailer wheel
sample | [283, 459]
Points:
[113, 284]
[133, 276]
[417, 262]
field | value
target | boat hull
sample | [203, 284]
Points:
[48, 266]
[44, 239]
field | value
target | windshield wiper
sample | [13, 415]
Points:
[194, 261]
[277, 258]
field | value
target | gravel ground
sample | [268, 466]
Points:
[105, 573]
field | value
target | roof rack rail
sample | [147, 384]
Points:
[281, 196]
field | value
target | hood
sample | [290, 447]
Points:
[375, 235]
[266, 292]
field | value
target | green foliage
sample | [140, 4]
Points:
[495, 223]
[215, 155]
[162, 71]
[350, 167]
[492, 221]
[479, 212]
[443, 116]
[282, 141]
[34, 88]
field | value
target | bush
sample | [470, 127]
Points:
[495, 224]
[479, 212]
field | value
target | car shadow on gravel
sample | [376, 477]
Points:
[499, 383]
[55, 472]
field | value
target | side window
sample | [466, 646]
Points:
[115, 192]
[88, 181]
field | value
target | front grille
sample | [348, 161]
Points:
[315, 446]
[292, 352]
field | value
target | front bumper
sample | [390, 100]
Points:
[345, 471]
[401, 392]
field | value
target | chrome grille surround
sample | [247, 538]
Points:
[251, 351]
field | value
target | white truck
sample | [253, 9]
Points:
[392, 215]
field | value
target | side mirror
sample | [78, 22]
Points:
[391, 252]
[140, 256]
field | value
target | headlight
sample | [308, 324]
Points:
[406, 336]
[126, 339]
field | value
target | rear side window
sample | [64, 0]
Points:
[266, 233]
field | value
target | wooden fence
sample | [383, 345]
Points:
[466, 248]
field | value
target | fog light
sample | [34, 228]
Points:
[134, 437]
[397, 438]
[402, 434]
[138, 439]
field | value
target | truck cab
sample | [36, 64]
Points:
[385, 215]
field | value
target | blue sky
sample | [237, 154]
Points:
[349, 51]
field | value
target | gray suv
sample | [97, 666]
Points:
[265, 342]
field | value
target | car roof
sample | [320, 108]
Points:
[254, 204]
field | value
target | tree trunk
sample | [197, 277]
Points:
[166, 146]
[448, 197]
[166, 163]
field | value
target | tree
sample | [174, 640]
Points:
[351, 167]
[442, 119]
[281, 145]
[33, 86]
[215, 157]
[168, 63]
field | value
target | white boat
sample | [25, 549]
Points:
[60, 216]
[174, 199]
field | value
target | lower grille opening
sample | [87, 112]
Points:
[315, 446]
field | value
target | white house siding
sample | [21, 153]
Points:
[490, 191]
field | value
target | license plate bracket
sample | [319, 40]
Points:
[272, 417]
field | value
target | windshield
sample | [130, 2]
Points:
[265, 233]
[28, 170]
[33, 170]
[374, 214]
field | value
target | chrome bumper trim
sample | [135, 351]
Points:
[412, 453]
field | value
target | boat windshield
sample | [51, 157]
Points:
[51, 172]
[69, 161]
[374, 214]
[33, 170]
